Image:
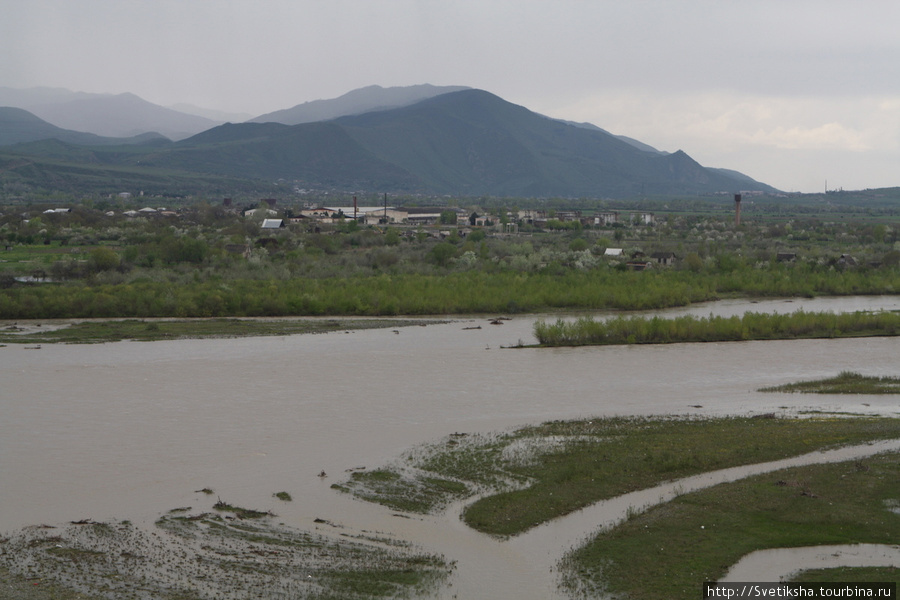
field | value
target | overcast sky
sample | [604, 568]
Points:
[793, 93]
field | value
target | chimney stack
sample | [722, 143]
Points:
[737, 210]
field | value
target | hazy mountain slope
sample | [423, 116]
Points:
[356, 102]
[636, 143]
[474, 142]
[28, 98]
[54, 167]
[20, 126]
[122, 115]
[218, 116]
[320, 154]
[468, 142]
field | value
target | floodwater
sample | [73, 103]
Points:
[129, 430]
[779, 563]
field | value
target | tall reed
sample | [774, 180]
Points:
[751, 326]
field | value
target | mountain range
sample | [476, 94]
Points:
[422, 139]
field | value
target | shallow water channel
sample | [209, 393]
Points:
[129, 430]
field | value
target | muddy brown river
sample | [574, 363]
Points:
[129, 430]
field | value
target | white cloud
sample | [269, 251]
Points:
[787, 141]
[830, 136]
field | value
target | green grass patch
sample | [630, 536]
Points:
[587, 331]
[418, 492]
[669, 550]
[846, 382]
[538, 473]
[227, 293]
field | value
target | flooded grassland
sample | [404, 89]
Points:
[123, 432]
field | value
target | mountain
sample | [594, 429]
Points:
[637, 144]
[468, 142]
[37, 96]
[473, 142]
[19, 126]
[318, 155]
[363, 100]
[121, 115]
[214, 115]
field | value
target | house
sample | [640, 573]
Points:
[606, 219]
[568, 215]
[663, 258]
[253, 211]
[642, 218]
[531, 216]
[614, 252]
[847, 261]
[272, 223]
[369, 215]
[423, 215]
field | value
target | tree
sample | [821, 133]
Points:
[391, 237]
[443, 253]
[693, 261]
[578, 245]
[103, 259]
[477, 235]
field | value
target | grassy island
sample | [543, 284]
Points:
[669, 550]
[538, 473]
[88, 332]
[846, 382]
[535, 474]
[587, 331]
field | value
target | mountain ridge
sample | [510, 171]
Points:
[466, 142]
[18, 126]
[361, 100]
[106, 115]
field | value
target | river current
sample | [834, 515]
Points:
[129, 430]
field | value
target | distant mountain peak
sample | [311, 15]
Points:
[108, 115]
[355, 102]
